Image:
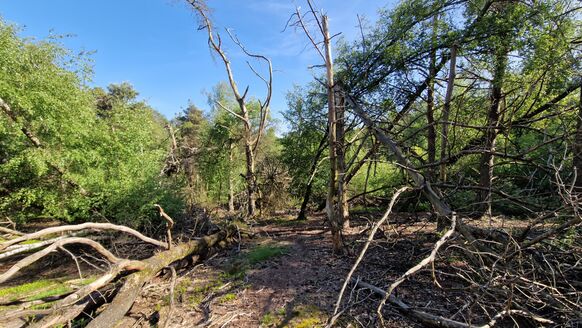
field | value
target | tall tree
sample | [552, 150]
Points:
[334, 195]
[252, 136]
[336, 201]
[62, 159]
[577, 148]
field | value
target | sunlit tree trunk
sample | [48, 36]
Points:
[230, 179]
[250, 179]
[333, 210]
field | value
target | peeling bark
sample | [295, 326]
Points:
[333, 201]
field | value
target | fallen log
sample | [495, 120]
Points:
[78, 227]
[121, 304]
[136, 274]
[439, 321]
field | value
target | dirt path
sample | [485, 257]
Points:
[286, 276]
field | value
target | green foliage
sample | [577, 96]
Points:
[268, 319]
[307, 121]
[103, 149]
[222, 161]
[299, 316]
[101, 152]
[212, 151]
[533, 42]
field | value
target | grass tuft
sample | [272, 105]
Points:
[301, 316]
[264, 252]
[227, 298]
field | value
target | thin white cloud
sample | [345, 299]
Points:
[280, 8]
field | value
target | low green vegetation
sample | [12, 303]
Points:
[237, 268]
[265, 252]
[301, 316]
[227, 298]
[40, 289]
[286, 221]
[269, 319]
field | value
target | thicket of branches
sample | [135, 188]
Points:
[477, 105]
[469, 110]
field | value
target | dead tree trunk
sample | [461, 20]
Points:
[492, 129]
[431, 124]
[336, 206]
[252, 136]
[333, 206]
[137, 273]
[446, 113]
[251, 179]
[230, 180]
[577, 148]
[125, 298]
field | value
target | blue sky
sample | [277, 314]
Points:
[155, 44]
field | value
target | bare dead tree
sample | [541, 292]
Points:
[336, 201]
[252, 135]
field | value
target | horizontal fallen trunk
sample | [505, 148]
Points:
[425, 318]
[69, 307]
[121, 304]
[439, 321]
[79, 227]
[40, 254]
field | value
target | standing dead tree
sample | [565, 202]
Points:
[336, 201]
[252, 135]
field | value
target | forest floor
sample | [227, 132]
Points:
[287, 276]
